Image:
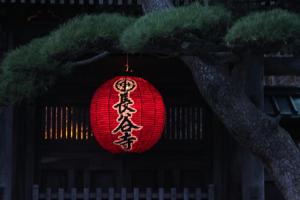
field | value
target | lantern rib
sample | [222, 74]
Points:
[154, 124]
[109, 107]
[141, 103]
[146, 102]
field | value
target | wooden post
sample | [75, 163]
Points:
[30, 150]
[123, 194]
[198, 194]
[246, 177]
[211, 192]
[86, 194]
[111, 193]
[86, 178]
[35, 192]
[185, 193]
[252, 169]
[2, 154]
[71, 178]
[220, 167]
[136, 193]
[161, 193]
[173, 194]
[148, 194]
[48, 194]
[7, 148]
[98, 194]
[61, 194]
[74, 194]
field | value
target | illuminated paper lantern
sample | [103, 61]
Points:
[127, 114]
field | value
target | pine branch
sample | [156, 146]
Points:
[90, 60]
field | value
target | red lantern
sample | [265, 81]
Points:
[127, 115]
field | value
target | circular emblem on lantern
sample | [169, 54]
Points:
[127, 114]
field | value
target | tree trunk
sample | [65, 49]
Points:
[252, 128]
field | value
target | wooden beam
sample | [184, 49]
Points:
[7, 149]
[30, 150]
[282, 66]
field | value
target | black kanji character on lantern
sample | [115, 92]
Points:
[124, 87]
[126, 141]
[123, 106]
[126, 125]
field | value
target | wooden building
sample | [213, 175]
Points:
[47, 147]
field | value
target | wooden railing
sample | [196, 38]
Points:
[128, 2]
[235, 4]
[123, 194]
[61, 122]
[184, 123]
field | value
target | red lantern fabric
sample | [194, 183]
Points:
[127, 114]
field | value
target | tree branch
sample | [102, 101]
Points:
[249, 126]
[90, 60]
[181, 44]
[216, 53]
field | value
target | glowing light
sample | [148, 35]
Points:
[56, 118]
[61, 122]
[46, 124]
[51, 124]
[127, 115]
[67, 123]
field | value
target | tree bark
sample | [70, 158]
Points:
[252, 128]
